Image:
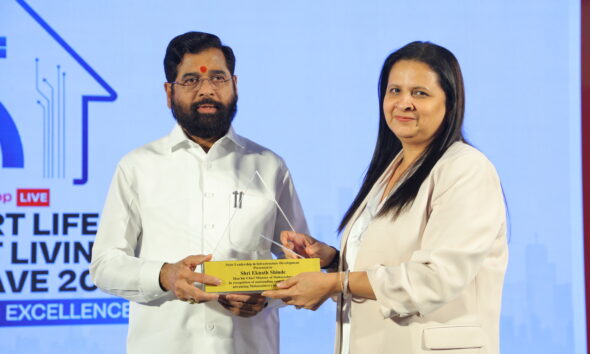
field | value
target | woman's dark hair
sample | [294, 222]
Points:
[445, 65]
[194, 42]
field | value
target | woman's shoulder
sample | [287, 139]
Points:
[463, 152]
[463, 158]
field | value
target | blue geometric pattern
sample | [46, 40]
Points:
[112, 95]
[12, 147]
[2, 47]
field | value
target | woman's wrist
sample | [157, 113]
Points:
[336, 281]
[345, 289]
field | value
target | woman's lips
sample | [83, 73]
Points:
[404, 119]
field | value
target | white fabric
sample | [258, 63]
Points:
[170, 199]
[438, 264]
[375, 201]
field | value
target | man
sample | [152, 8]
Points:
[198, 191]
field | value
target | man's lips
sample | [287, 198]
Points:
[206, 108]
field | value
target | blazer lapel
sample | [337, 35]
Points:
[359, 210]
[343, 242]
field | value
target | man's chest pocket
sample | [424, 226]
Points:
[250, 215]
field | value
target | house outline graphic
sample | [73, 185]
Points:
[12, 151]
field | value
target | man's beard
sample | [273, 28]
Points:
[206, 125]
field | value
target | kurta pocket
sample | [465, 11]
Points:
[251, 215]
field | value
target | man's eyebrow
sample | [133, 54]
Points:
[196, 74]
[218, 72]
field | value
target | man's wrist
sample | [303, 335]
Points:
[335, 260]
[160, 277]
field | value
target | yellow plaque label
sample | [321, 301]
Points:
[257, 275]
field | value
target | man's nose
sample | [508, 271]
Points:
[206, 88]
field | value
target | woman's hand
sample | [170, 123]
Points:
[307, 246]
[307, 290]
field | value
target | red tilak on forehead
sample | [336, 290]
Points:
[203, 69]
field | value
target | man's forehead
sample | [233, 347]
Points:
[208, 59]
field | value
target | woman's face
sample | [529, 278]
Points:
[414, 103]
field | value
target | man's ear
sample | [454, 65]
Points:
[235, 79]
[168, 89]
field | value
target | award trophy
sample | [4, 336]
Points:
[243, 260]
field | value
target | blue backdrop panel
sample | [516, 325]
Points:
[81, 84]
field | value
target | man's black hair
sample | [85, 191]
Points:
[193, 43]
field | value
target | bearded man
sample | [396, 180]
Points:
[172, 205]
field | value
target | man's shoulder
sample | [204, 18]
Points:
[147, 153]
[253, 148]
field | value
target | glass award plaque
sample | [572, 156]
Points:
[256, 275]
[243, 260]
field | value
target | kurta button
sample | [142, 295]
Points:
[210, 326]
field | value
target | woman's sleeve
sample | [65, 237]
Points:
[466, 216]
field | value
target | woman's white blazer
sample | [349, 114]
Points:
[437, 269]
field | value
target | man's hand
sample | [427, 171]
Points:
[179, 278]
[306, 246]
[245, 305]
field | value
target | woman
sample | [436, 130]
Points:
[424, 247]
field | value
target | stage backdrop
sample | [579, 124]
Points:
[81, 84]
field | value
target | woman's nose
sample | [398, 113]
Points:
[404, 104]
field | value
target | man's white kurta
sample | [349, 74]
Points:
[170, 199]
